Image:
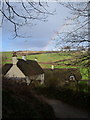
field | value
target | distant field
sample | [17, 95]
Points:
[49, 57]
[59, 60]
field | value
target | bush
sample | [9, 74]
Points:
[76, 98]
[52, 82]
[84, 87]
[19, 102]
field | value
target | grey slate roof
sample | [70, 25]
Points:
[28, 67]
[6, 68]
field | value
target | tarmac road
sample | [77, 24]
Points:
[63, 110]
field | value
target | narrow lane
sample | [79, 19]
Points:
[63, 110]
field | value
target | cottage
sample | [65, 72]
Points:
[23, 70]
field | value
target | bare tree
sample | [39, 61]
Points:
[80, 48]
[67, 48]
[79, 27]
[23, 13]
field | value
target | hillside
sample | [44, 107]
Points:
[48, 58]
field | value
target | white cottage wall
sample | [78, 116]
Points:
[15, 72]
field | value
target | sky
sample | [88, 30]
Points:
[43, 34]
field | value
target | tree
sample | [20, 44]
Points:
[80, 48]
[23, 13]
[80, 24]
[67, 48]
[79, 29]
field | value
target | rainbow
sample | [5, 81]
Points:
[57, 34]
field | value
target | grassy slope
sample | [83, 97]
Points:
[52, 57]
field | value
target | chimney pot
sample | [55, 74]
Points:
[14, 58]
[52, 67]
[23, 56]
[35, 59]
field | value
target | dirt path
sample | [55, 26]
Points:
[63, 110]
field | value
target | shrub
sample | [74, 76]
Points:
[52, 82]
[19, 102]
[76, 98]
[84, 87]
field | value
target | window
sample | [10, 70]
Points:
[72, 78]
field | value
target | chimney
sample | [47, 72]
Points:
[52, 67]
[35, 59]
[24, 57]
[14, 58]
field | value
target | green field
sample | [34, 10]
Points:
[59, 60]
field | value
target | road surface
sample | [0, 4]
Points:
[63, 110]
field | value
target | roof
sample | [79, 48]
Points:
[28, 67]
[35, 65]
[63, 73]
[5, 68]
